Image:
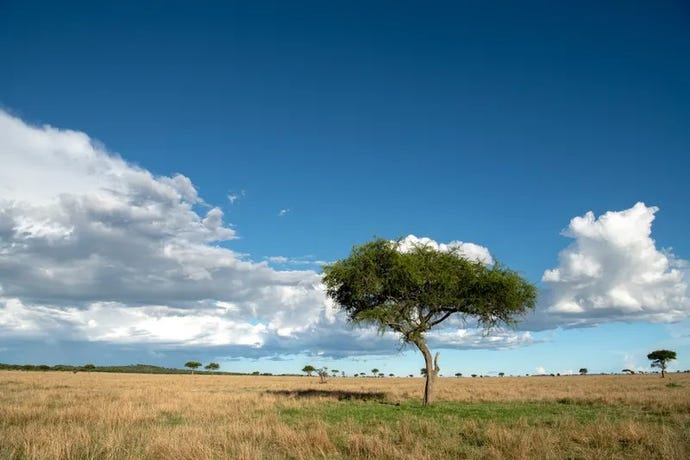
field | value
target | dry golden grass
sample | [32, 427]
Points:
[55, 415]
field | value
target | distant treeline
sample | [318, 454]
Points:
[131, 369]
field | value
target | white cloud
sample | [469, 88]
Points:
[283, 212]
[232, 197]
[94, 249]
[477, 339]
[87, 237]
[540, 370]
[613, 272]
[470, 251]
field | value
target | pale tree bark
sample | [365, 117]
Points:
[432, 371]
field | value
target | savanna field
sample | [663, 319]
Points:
[61, 415]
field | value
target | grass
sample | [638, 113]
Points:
[51, 415]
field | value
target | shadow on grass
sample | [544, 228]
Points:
[340, 395]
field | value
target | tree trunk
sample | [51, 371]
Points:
[432, 370]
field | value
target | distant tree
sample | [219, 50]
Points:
[192, 365]
[309, 369]
[256, 373]
[474, 375]
[89, 367]
[381, 374]
[342, 373]
[501, 374]
[583, 371]
[356, 375]
[411, 292]
[660, 359]
[628, 371]
[374, 371]
[458, 374]
[334, 372]
[410, 375]
[422, 372]
[391, 375]
[323, 374]
[212, 367]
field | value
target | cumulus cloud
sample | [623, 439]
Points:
[87, 238]
[95, 249]
[613, 271]
[477, 339]
[283, 212]
[470, 251]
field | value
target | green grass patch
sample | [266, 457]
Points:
[171, 418]
[447, 414]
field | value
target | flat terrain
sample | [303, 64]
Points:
[60, 415]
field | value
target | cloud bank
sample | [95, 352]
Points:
[95, 249]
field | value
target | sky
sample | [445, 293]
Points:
[174, 174]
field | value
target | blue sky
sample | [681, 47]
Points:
[327, 124]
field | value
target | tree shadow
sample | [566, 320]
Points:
[340, 395]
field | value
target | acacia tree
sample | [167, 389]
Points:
[192, 365]
[660, 359]
[212, 366]
[411, 292]
[308, 369]
[583, 371]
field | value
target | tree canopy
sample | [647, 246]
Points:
[192, 365]
[308, 369]
[410, 292]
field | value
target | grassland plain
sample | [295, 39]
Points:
[60, 415]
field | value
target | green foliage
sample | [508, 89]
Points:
[309, 369]
[212, 367]
[583, 371]
[192, 365]
[412, 292]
